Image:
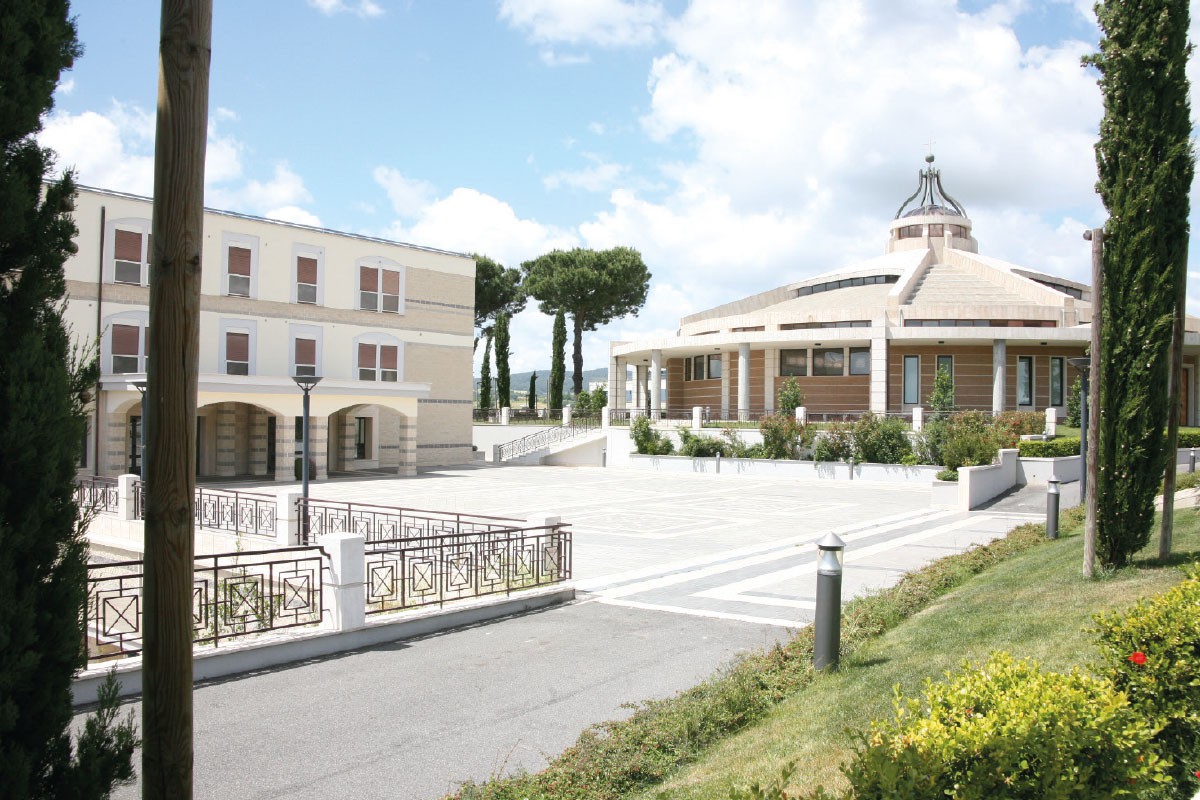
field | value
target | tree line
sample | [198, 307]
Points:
[591, 287]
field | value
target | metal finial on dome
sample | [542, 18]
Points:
[933, 199]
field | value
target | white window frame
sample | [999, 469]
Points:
[904, 383]
[378, 263]
[305, 332]
[140, 319]
[248, 326]
[245, 241]
[134, 225]
[308, 251]
[379, 340]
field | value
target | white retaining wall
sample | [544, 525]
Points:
[977, 485]
[764, 467]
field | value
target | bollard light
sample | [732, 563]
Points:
[1052, 498]
[1192, 460]
[827, 626]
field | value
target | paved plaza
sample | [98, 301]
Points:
[677, 575]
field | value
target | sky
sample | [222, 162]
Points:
[739, 146]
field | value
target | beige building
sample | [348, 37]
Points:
[387, 327]
[871, 336]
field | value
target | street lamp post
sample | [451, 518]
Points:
[827, 627]
[141, 440]
[1084, 365]
[306, 384]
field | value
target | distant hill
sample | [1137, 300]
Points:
[519, 382]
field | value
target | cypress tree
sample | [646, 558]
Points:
[485, 374]
[532, 401]
[1145, 165]
[558, 364]
[503, 392]
[43, 553]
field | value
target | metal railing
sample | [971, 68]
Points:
[536, 441]
[238, 512]
[233, 595]
[96, 493]
[378, 523]
[410, 573]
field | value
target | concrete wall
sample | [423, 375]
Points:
[769, 468]
[977, 485]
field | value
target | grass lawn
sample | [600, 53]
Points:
[1035, 604]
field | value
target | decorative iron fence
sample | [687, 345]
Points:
[238, 512]
[536, 441]
[233, 595]
[96, 493]
[377, 523]
[410, 573]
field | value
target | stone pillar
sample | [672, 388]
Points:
[285, 448]
[408, 447]
[639, 387]
[724, 386]
[226, 421]
[879, 376]
[125, 489]
[605, 418]
[566, 418]
[241, 438]
[344, 446]
[802, 415]
[697, 418]
[115, 444]
[318, 447]
[743, 386]
[616, 383]
[655, 386]
[918, 416]
[258, 442]
[345, 581]
[505, 415]
[999, 371]
[287, 521]
[1051, 422]
[770, 370]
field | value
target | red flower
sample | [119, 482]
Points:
[1138, 657]
[1198, 773]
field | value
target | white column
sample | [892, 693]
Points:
[918, 419]
[879, 376]
[566, 419]
[616, 382]
[697, 418]
[505, 415]
[725, 386]
[655, 383]
[999, 370]
[770, 370]
[639, 387]
[287, 521]
[345, 580]
[744, 381]
[125, 484]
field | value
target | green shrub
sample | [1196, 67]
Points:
[941, 398]
[695, 446]
[790, 397]
[835, 443]
[1075, 403]
[782, 434]
[1189, 438]
[1153, 655]
[948, 475]
[1051, 448]
[970, 441]
[1184, 480]
[880, 440]
[1005, 729]
[647, 440]
[1010, 426]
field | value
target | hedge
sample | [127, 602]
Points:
[1051, 448]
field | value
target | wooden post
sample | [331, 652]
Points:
[1175, 365]
[173, 359]
[1096, 236]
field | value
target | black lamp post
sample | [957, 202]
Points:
[306, 384]
[1084, 365]
[827, 625]
[140, 444]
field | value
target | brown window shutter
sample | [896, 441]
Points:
[387, 356]
[125, 340]
[306, 352]
[368, 279]
[239, 261]
[306, 270]
[237, 346]
[127, 246]
[391, 281]
[366, 356]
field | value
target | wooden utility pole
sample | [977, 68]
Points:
[1096, 236]
[173, 359]
[1175, 364]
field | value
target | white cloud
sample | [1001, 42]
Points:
[66, 87]
[294, 214]
[596, 128]
[552, 58]
[407, 196]
[598, 177]
[607, 23]
[366, 9]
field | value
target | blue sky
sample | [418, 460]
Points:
[738, 145]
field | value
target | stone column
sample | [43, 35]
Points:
[318, 446]
[655, 384]
[226, 421]
[725, 386]
[616, 383]
[639, 387]
[345, 581]
[879, 377]
[285, 448]
[115, 444]
[999, 371]
[343, 447]
[257, 462]
[408, 447]
[743, 397]
[387, 433]
[770, 370]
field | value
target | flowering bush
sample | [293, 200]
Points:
[1153, 654]
[1006, 729]
[1010, 426]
